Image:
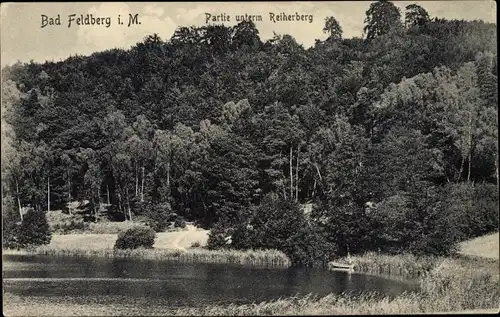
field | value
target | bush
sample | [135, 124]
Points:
[281, 224]
[196, 244]
[10, 223]
[180, 222]
[136, 237]
[270, 225]
[157, 216]
[218, 237]
[309, 247]
[32, 231]
[474, 206]
[417, 221]
[62, 223]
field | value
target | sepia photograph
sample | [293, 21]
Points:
[249, 158]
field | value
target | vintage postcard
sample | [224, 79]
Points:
[249, 158]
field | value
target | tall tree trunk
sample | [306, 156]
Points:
[107, 189]
[291, 173]
[142, 184]
[461, 169]
[120, 204]
[69, 194]
[283, 186]
[470, 145]
[468, 171]
[496, 167]
[128, 205]
[168, 174]
[314, 189]
[19, 200]
[297, 175]
[48, 193]
[98, 201]
[136, 181]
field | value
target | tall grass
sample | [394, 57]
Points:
[267, 258]
[404, 265]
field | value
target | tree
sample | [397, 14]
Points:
[333, 28]
[229, 179]
[245, 36]
[33, 230]
[381, 18]
[415, 15]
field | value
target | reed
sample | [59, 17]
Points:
[404, 265]
[341, 304]
[267, 258]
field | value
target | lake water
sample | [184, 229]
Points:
[175, 284]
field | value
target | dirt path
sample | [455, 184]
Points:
[178, 240]
[182, 236]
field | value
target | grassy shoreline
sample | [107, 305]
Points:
[268, 258]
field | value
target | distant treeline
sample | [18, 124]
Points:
[209, 123]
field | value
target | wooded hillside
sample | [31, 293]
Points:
[210, 122]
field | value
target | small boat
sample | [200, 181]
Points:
[349, 266]
[340, 266]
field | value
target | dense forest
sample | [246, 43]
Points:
[391, 138]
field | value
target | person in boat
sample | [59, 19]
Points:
[349, 259]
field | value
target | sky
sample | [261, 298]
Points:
[23, 39]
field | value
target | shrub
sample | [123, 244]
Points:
[218, 237]
[180, 222]
[270, 225]
[474, 206]
[309, 247]
[62, 223]
[136, 237]
[33, 230]
[281, 225]
[10, 222]
[157, 216]
[196, 244]
[346, 225]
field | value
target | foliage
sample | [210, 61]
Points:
[281, 224]
[347, 227]
[310, 247]
[62, 223]
[169, 127]
[10, 223]
[157, 216]
[475, 208]
[333, 28]
[218, 237]
[136, 237]
[32, 231]
[415, 15]
[180, 223]
[195, 244]
[382, 17]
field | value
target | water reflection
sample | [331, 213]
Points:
[177, 284]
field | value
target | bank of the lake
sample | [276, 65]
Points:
[448, 284]
[270, 258]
